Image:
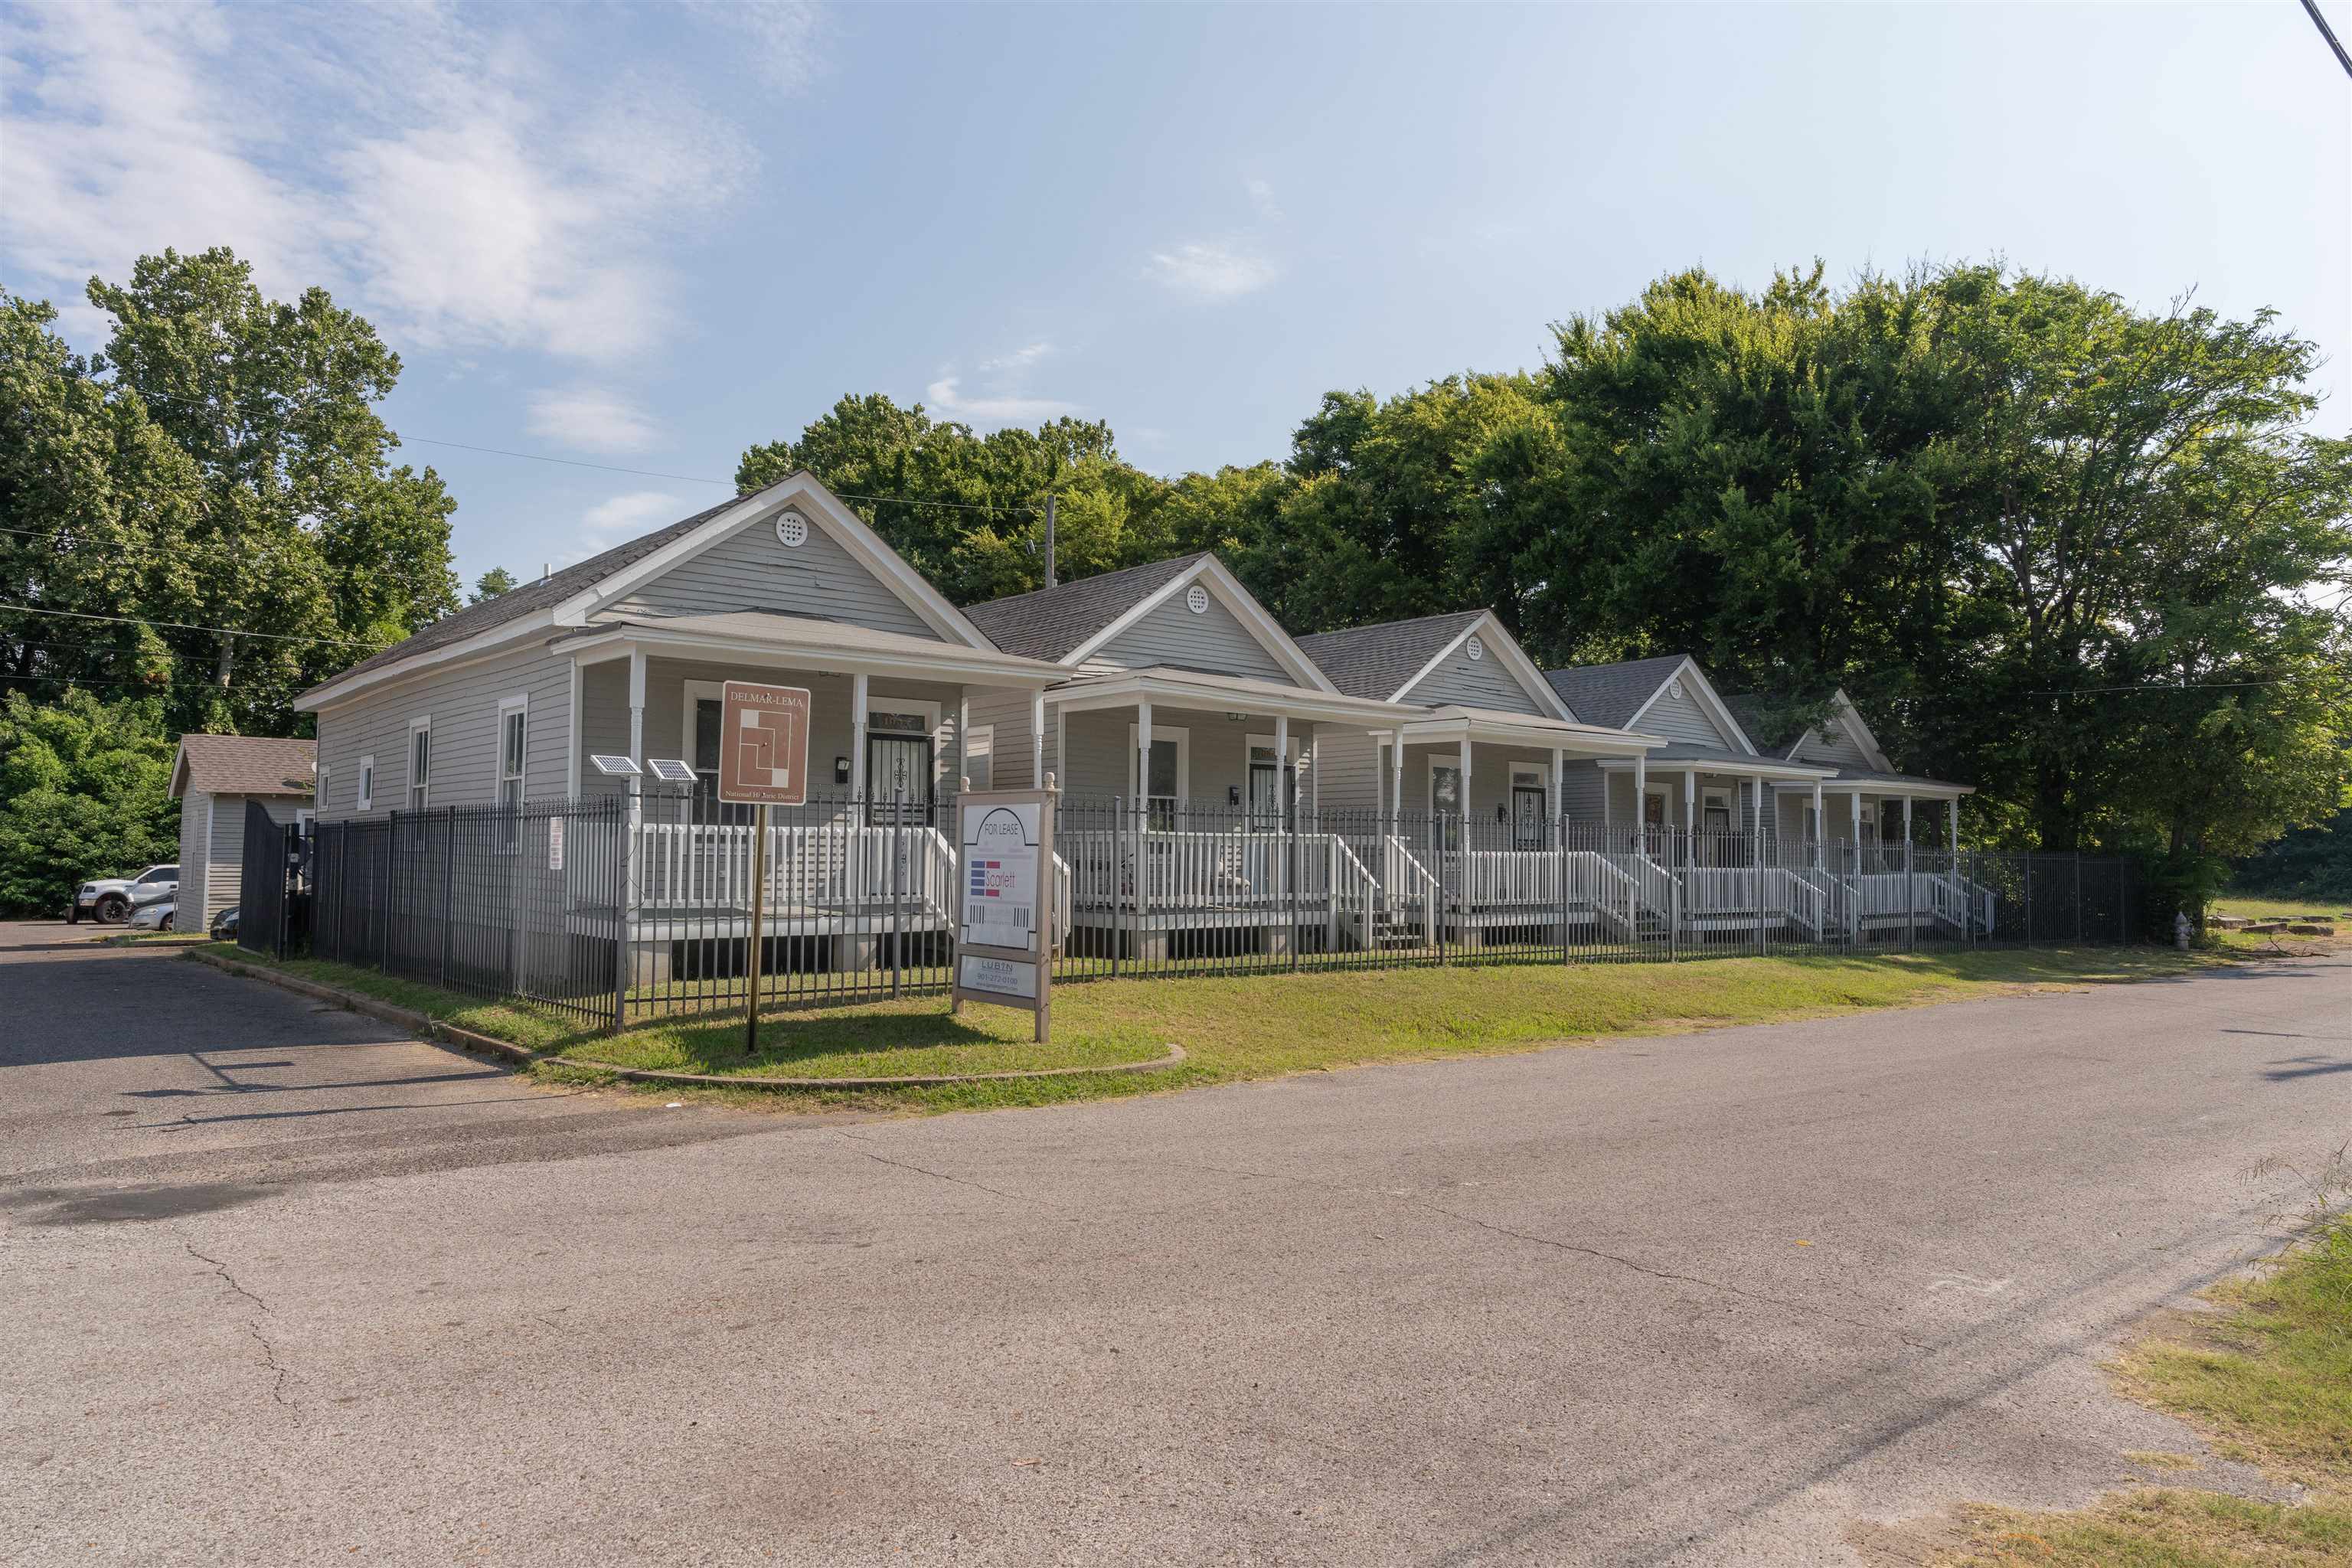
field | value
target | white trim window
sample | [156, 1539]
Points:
[980, 756]
[367, 784]
[420, 766]
[514, 755]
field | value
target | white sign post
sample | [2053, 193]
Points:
[1004, 885]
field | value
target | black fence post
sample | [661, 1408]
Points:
[391, 846]
[449, 888]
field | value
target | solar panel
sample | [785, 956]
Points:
[626, 767]
[670, 770]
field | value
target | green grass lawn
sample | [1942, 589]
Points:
[1260, 1026]
[2237, 942]
[2280, 909]
[2269, 1382]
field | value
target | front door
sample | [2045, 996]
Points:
[1266, 792]
[1526, 815]
[898, 769]
[1159, 787]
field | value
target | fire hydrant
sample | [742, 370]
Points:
[2180, 930]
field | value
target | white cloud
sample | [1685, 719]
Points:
[945, 397]
[1261, 196]
[1019, 359]
[590, 420]
[1211, 271]
[446, 178]
[625, 516]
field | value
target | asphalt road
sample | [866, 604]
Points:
[283, 1289]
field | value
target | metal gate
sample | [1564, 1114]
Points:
[273, 885]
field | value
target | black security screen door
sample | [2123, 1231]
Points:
[897, 767]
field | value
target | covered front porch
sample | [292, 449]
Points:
[1189, 820]
[855, 876]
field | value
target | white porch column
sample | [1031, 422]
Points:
[1037, 743]
[1690, 813]
[637, 706]
[1641, 797]
[572, 757]
[1756, 784]
[1396, 780]
[1952, 823]
[1465, 793]
[1906, 827]
[1315, 771]
[1285, 781]
[1820, 825]
[963, 741]
[1853, 814]
[1559, 792]
[1143, 757]
[858, 698]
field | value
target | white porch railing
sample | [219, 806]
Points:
[831, 866]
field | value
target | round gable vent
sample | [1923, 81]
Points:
[1196, 599]
[1475, 648]
[791, 530]
[1675, 688]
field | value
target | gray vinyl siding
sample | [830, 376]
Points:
[751, 569]
[463, 705]
[1681, 718]
[1580, 794]
[1102, 748]
[1007, 712]
[604, 724]
[1214, 640]
[1474, 683]
[190, 895]
[1350, 781]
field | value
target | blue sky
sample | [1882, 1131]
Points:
[649, 236]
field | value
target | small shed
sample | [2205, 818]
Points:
[212, 779]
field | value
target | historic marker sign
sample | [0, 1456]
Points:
[763, 744]
[1005, 883]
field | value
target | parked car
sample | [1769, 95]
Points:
[224, 925]
[155, 914]
[109, 898]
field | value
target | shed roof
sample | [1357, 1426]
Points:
[245, 764]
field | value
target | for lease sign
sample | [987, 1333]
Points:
[1001, 869]
[763, 744]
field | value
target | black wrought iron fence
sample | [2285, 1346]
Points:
[627, 907]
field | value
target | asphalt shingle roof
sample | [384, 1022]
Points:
[248, 765]
[1610, 694]
[1373, 661]
[530, 597]
[1047, 623]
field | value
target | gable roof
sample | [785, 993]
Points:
[527, 598]
[1611, 694]
[245, 764]
[1377, 661]
[1050, 622]
[566, 598]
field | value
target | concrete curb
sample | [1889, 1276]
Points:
[523, 1056]
[717, 1081]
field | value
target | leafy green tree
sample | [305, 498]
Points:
[220, 465]
[84, 792]
[491, 583]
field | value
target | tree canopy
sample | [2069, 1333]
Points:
[220, 465]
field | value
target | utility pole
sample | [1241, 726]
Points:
[1049, 539]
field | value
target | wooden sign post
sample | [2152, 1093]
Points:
[762, 761]
[1005, 884]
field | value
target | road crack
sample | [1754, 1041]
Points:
[1606, 1257]
[944, 1176]
[280, 1372]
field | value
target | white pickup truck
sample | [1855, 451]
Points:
[109, 900]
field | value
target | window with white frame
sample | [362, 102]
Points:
[980, 756]
[420, 763]
[1715, 810]
[1272, 787]
[514, 731]
[367, 784]
[1168, 785]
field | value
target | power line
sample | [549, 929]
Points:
[2329, 34]
[2188, 686]
[186, 627]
